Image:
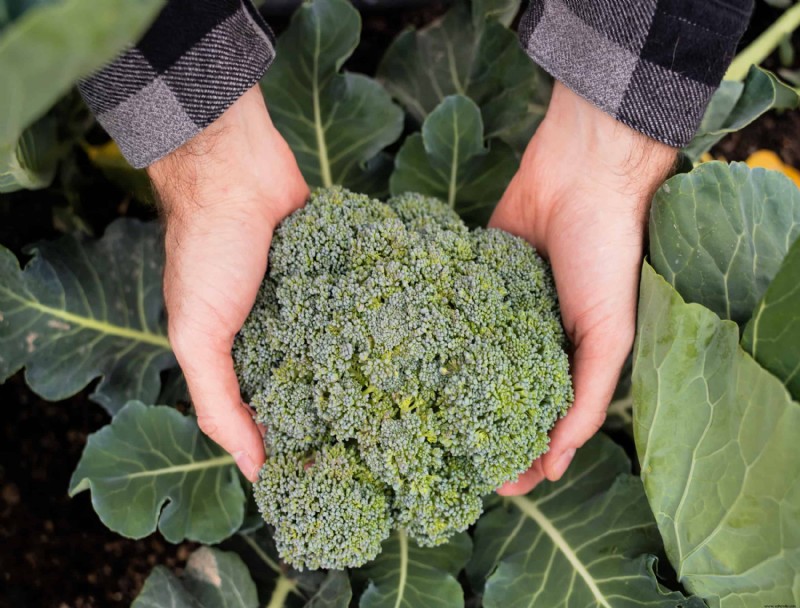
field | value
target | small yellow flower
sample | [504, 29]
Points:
[767, 159]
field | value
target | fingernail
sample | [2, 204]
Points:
[562, 463]
[246, 464]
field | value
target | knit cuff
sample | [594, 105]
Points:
[651, 64]
[198, 57]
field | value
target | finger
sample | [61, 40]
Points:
[525, 482]
[214, 389]
[262, 428]
[597, 363]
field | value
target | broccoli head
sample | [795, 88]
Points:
[404, 367]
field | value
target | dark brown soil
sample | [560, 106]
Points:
[776, 131]
[779, 132]
[55, 551]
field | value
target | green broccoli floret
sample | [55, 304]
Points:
[404, 367]
[328, 512]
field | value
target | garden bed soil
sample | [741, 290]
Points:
[55, 551]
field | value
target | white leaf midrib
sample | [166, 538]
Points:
[90, 323]
[403, 568]
[209, 463]
[529, 508]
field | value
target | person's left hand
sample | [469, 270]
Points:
[581, 197]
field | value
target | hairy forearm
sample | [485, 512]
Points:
[623, 158]
[579, 149]
[242, 144]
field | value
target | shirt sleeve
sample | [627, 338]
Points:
[197, 58]
[652, 64]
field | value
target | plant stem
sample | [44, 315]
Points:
[283, 587]
[758, 50]
[401, 585]
[261, 554]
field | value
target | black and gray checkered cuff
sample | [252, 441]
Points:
[652, 64]
[198, 57]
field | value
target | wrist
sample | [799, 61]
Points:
[582, 163]
[608, 151]
[240, 158]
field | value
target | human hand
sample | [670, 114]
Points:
[222, 195]
[581, 197]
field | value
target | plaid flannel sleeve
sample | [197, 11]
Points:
[652, 64]
[197, 58]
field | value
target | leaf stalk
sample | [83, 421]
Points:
[761, 48]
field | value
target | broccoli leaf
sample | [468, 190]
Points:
[737, 104]
[717, 441]
[472, 54]
[719, 233]
[335, 592]
[502, 10]
[31, 161]
[772, 336]
[153, 457]
[406, 575]
[450, 161]
[85, 308]
[212, 579]
[336, 124]
[586, 540]
[174, 389]
[45, 51]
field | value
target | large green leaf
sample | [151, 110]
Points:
[405, 575]
[464, 53]
[336, 124]
[334, 592]
[450, 161]
[30, 162]
[212, 579]
[11, 10]
[83, 309]
[737, 104]
[716, 436]
[772, 336]
[51, 46]
[152, 467]
[586, 540]
[719, 234]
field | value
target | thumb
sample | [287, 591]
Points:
[596, 365]
[221, 414]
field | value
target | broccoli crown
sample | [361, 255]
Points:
[423, 360]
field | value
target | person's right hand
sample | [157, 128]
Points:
[222, 194]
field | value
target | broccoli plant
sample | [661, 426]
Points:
[404, 367]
